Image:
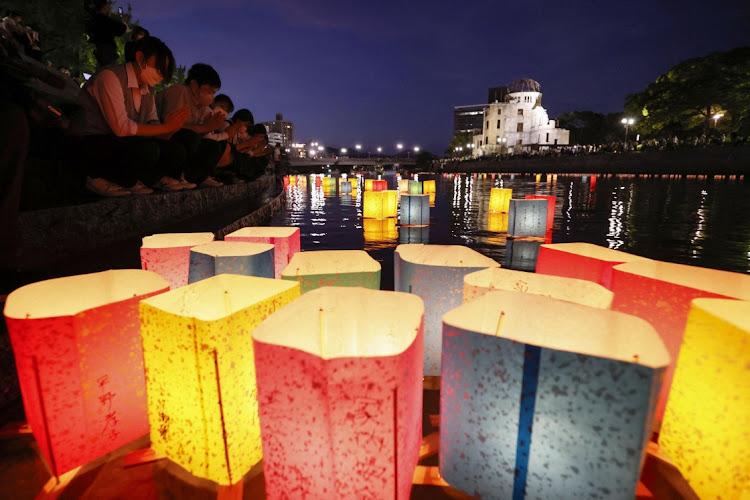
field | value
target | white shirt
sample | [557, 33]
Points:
[107, 92]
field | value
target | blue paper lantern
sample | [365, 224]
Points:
[527, 218]
[231, 257]
[346, 187]
[415, 210]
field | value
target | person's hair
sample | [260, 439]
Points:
[203, 74]
[152, 46]
[258, 129]
[244, 115]
[138, 31]
[223, 99]
[135, 35]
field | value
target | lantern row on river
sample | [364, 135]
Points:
[231, 257]
[168, 255]
[320, 268]
[285, 240]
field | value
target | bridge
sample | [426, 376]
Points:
[351, 162]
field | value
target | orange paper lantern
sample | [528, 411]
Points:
[379, 185]
[285, 241]
[168, 255]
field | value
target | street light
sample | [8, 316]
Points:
[343, 151]
[627, 122]
[716, 118]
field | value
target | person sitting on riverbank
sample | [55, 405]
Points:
[118, 145]
[197, 95]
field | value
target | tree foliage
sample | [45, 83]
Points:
[459, 141]
[588, 127]
[685, 99]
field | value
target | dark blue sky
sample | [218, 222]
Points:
[383, 72]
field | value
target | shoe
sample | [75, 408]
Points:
[140, 188]
[168, 184]
[211, 182]
[103, 187]
[185, 184]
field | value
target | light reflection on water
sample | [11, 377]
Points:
[688, 221]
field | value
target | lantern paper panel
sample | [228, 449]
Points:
[500, 199]
[198, 354]
[521, 255]
[231, 257]
[285, 241]
[368, 184]
[527, 218]
[168, 255]
[572, 290]
[497, 222]
[346, 187]
[660, 293]
[390, 201]
[428, 187]
[542, 398]
[346, 268]
[581, 260]
[551, 202]
[78, 353]
[403, 185]
[340, 394]
[415, 187]
[415, 210]
[379, 185]
[435, 273]
[414, 234]
[380, 204]
[706, 427]
[379, 229]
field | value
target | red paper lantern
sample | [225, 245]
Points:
[379, 185]
[168, 255]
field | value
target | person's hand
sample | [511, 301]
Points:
[213, 121]
[176, 119]
[234, 129]
[250, 144]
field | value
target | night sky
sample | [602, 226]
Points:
[378, 73]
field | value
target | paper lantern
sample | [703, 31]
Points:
[346, 187]
[391, 203]
[660, 293]
[333, 268]
[573, 290]
[414, 234]
[368, 184]
[415, 210]
[581, 260]
[428, 187]
[706, 428]
[380, 229]
[353, 180]
[168, 255]
[542, 398]
[231, 257]
[403, 185]
[318, 181]
[340, 394]
[198, 353]
[285, 241]
[527, 218]
[379, 185]
[435, 273]
[432, 199]
[497, 222]
[551, 202]
[415, 187]
[500, 199]
[80, 365]
[380, 204]
[327, 182]
[292, 179]
[521, 255]
[286, 181]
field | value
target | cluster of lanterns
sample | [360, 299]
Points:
[550, 382]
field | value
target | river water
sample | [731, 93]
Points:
[695, 221]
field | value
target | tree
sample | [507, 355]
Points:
[588, 127]
[424, 160]
[459, 141]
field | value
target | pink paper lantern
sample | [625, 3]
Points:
[285, 241]
[168, 255]
[77, 346]
[551, 201]
[340, 394]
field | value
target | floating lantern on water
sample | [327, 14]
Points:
[80, 364]
[340, 394]
[168, 255]
[436, 274]
[318, 181]
[368, 184]
[497, 222]
[551, 202]
[285, 241]
[500, 199]
[333, 268]
[346, 187]
[380, 204]
[414, 234]
[660, 293]
[198, 353]
[521, 254]
[581, 260]
[706, 428]
[379, 229]
[379, 185]
[403, 185]
[581, 292]
[527, 218]
[231, 257]
[415, 210]
[415, 187]
[559, 395]
[428, 187]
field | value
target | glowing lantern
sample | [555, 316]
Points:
[500, 199]
[379, 185]
[497, 222]
[436, 274]
[285, 241]
[327, 183]
[346, 187]
[706, 428]
[414, 234]
[380, 229]
[293, 179]
[198, 353]
[527, 218]
[561, 397]
[415, 210]
[80, 365]
[352, 382]
[168, 255]
[286, 181]
[581, 260]
[403, 185]
[231, 257]
[551, 202]
[660, 293]
[415, 187]
[521, 254]
[391, 203]
[573, 290]
[353, 180]
[333, 268]
[380, 204]
[318, 181]
[368, 184]
[432, 199]
[428, 187]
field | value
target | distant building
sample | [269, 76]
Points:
[468, 119]
[280, 131]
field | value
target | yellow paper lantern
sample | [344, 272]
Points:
[500, 199]
[333, 268]
[380, 229]
[168, 255]
[390, 201]
[706, 428]
[380, 204]
[198, 355]
[428, 187]
[581, 292]
[403, 185]
[368, 184]
[497, 222]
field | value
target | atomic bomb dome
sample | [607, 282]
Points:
[524, 85]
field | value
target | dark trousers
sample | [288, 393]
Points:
[202, 154]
